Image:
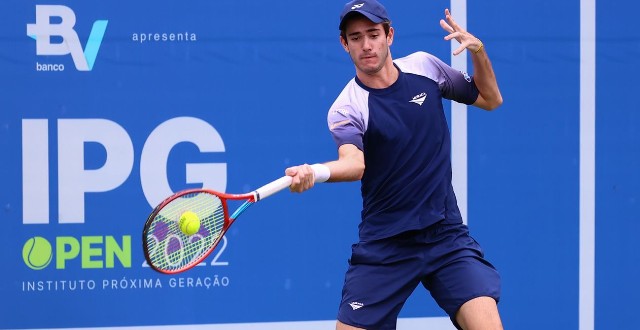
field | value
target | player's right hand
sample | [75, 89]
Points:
[302, 176]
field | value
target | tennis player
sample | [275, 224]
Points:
[391, 132]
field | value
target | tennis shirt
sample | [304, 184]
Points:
[403, 133]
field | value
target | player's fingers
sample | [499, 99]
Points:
[456, 35]
[450, 20]
[446, 26]
[296, 183]
[291, 171]
[459, 50]
[302, 178]
[308, 176]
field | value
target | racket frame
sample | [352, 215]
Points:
[249, 199]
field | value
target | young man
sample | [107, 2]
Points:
[391, 132]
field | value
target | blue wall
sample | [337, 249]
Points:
[81, 159]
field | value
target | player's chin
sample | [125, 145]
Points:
[369, 65]
[369, 69]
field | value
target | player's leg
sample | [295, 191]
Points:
[480, 313]
[381, 276]
[461, 275]
[373, 296]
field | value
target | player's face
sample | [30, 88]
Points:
[367, 44]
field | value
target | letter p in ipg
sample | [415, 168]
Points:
[43, 29]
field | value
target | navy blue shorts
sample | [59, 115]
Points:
[382, 274]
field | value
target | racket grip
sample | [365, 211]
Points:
[321, 173]
[272, 187]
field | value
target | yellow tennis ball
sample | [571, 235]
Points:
[189, 223]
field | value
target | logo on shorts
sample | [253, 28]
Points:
[355, 305]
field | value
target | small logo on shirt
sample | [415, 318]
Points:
[419, 99]
[343, 112]
[355, 305]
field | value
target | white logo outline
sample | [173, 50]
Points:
[419, 99]
[356, 305]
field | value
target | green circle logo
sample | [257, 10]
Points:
[36, 253]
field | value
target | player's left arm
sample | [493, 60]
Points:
[483, 74]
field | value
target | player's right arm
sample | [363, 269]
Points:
[347, 121]
[348, 167]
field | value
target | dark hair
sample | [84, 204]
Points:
[343, 32]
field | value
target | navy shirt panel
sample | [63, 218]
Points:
[403, 133]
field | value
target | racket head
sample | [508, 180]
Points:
[166, 248]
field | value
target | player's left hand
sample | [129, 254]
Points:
[466, 39]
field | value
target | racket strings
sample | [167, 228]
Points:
[169, 248]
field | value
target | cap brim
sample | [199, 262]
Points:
[373, 18]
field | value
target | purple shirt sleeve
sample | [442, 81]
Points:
[454, 85]
[348, 116]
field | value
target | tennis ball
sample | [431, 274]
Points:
[189, 223]
[36, 253]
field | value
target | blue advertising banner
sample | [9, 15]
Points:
[108, 107]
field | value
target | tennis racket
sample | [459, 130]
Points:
[169, 250]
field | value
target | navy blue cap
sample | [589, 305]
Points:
[371, 9]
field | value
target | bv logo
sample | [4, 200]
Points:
[43, 30]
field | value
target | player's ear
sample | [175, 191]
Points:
[344, 44]
[390, 36]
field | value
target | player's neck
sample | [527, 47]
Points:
[381, 79]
